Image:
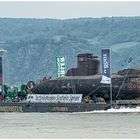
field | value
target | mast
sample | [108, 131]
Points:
[1, 72]
[106, 69]
[110, 80]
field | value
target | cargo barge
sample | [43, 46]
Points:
[65, 107]
[51, 107]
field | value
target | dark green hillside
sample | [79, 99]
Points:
[33, 44]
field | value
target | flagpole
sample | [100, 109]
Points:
[2, 70]
[106, 70]
[110, 81]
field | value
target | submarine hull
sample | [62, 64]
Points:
[122, 88]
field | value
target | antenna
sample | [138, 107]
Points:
[1, 70]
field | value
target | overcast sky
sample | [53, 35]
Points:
[63, 10]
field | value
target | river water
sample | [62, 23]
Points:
[121, 123]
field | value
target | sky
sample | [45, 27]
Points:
[70, 9]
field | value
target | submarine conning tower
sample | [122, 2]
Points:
[87, 64]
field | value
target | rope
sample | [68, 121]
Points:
[73, 86]
[54, 87]
[122, 84]
[93, 91]
[51, 90]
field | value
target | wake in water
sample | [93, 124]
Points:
[121, 110]
[113, 110]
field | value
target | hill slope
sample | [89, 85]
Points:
[33, 44]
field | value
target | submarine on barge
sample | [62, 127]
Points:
[84, 84]
[86, 80]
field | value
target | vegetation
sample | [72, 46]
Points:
[33, 44]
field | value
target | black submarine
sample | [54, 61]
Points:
[85, 80]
